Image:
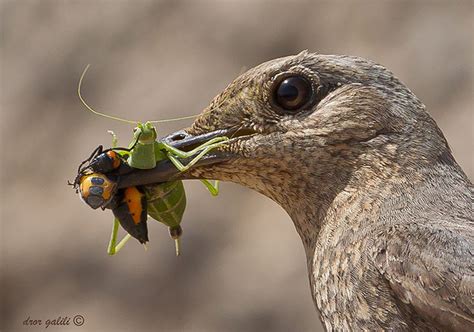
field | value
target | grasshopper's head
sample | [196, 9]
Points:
[145, 133]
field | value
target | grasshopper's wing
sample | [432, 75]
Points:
[166, 202]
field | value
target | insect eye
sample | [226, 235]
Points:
[292, 93]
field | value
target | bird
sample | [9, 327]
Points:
[383, 210]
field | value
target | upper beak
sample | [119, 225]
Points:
[165, 170]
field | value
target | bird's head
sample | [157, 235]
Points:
[304, 128]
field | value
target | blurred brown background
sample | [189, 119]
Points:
[243, 267]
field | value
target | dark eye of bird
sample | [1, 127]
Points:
[292, 93]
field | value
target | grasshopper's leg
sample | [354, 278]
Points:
[181, 167]
[113, 237]
[213, 188]
[215, 142]
[174, 154]
[112, 248]
[114, 138]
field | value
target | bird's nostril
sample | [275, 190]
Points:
[178, 137]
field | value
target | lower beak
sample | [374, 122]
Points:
[165, 170]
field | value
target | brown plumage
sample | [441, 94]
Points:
[382, 208]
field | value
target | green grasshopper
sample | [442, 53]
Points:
[164, 202]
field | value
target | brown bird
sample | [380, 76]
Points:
[383, 209]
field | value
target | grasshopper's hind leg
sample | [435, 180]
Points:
[215, 142]
[174, 154]
[213, 188]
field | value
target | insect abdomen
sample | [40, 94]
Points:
[130, 208]
[166, 202]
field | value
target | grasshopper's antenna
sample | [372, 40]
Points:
[90, 108]
[175, 119]
[115, 117]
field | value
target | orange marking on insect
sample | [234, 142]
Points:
[84, 186]
[115, 158]
[133, 198]
[107, 193]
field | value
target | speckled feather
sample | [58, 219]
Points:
[382, 208]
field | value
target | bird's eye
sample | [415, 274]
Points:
[292, 93]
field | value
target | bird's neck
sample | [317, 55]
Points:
[337, 225]
[362, 199]
[338, 210]
[336, 198]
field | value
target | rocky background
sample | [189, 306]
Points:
[243, 266]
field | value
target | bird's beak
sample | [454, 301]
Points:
[165, 170]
